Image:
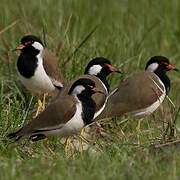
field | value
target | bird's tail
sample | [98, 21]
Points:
[14, 136]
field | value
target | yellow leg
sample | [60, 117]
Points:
[83, 141]
[79, 145]
[69, 147]
[44, 101]
[41, 105]
[66, 144]
[138, 130]
[47, 146]
[139, 125]
[81, 137]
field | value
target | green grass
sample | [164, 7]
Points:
[128, 33]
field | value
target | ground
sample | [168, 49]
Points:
[128, 32]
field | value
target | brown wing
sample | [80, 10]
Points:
[98, 98]
[55, 115]
[136, 92]
[50, 63]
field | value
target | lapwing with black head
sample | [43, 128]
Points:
[38, 67]
[101, 68]
[64, 117]
[141, 93]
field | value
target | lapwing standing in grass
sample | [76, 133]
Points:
[38, 68]
[142, 93]
[64, 117]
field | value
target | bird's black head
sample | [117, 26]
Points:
[31, 39]
[159, 65]
[30, 44]
[100, 66]
[83, 87]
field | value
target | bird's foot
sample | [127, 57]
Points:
[69, 147]
[44, 101]
[47, 146]
[41, 105]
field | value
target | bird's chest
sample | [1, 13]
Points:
[37, 80]
[75, 124]
[27, 65]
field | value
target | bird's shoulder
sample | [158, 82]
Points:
[51, 64]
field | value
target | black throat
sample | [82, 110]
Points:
[88, 109]
[104, 80]
[27, 64]
[164, 78]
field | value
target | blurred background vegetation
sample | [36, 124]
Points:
[128, 32]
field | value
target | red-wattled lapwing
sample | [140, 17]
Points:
[64, 117]
[142, 93]
[37, 67]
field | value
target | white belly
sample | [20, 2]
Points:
[150, 109]
[72, 127]
[154, 106]
[40, 82]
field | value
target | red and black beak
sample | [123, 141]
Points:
[171, 67]
[112, 68]
[19, 47]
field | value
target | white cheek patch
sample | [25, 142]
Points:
[152, 67]
[78, 89]
[38, 46]
[95, 69]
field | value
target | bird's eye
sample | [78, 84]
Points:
[165, 63]
[28, 43]
[105, 65]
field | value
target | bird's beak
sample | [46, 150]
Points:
[19, 47]
[96, 90]
[172, 67]
[113, 69]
